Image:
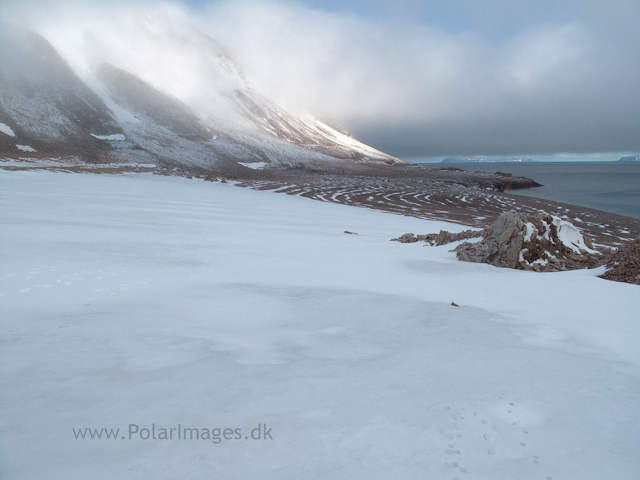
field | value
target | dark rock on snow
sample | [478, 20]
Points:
[438, 239]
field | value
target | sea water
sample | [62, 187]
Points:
[608, 186]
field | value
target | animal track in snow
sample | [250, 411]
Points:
[494, 432]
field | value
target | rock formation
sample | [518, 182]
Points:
[438, 239]
[532, 242]
[624, 265]
[542, 243]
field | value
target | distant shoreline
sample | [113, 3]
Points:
[473, 199]
[609, 186]
[527, 162]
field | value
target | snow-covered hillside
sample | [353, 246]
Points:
[171, 95]
[142, 301]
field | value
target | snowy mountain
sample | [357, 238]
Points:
[177, 99]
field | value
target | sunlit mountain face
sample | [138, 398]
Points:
[160, 91]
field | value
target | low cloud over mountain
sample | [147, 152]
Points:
[174, 98]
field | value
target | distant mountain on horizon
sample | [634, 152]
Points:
[485, 160]
[629, 159]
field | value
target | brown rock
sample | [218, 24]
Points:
[406, 238]
[624, 265]
[504, 245]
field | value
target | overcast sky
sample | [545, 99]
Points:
[439, 78]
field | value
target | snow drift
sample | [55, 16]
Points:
[146, 299]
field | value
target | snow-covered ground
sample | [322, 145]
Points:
[26, 148]
[116, 137]
[254, 165]
[140, 301]
[6, 129]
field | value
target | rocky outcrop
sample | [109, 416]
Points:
[624, 265]
[515, 183]
[438, 239]
[532, 242]
[500, 245]
[542, 243]
[409, 238]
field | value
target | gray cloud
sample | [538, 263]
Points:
[448, 78]
[563, 83]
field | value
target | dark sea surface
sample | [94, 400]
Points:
[609, 186]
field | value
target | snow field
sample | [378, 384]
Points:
[141, 299]
[6, 129]
[25, 148]
[116, 137]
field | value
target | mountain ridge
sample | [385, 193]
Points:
[119, 116]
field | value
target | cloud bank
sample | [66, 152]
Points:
[497, 82]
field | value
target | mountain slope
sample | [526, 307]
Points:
[209, 119]
[45, 104]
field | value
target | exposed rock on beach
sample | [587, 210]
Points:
[438, 239]
[542, 243]
[624, 265]
[532, 242]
